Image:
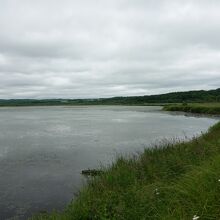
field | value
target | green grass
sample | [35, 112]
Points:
[204, 108]
[174, 181]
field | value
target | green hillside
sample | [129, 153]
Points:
[174, 97]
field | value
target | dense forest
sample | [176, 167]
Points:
[174, 97]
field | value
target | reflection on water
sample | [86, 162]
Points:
[43, 149]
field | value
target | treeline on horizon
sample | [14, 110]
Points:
[201, 96]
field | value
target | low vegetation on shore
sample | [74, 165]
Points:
[170, 181]
[202, 108]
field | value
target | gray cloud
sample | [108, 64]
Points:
[96, 48]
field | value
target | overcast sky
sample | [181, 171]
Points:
[100, 48]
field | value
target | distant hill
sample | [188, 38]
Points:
[174, 97]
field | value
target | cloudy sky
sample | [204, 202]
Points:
[100, 48]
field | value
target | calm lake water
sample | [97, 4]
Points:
[44, 149]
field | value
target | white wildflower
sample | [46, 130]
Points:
[219, 180]
[195, 217]
[156, 191]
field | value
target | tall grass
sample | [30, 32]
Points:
[204, 108]
[172, 181]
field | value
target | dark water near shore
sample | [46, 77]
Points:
[44, 149]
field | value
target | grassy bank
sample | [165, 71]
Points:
[204, 108]
[172, 181]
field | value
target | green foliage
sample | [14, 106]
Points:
[204, 108]
[174, 97]
[171, 181]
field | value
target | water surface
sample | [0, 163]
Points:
[44, 149]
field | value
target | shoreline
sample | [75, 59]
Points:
[197, 108]
[111, 193]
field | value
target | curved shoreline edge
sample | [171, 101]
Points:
[170, 181]
[198, 108]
